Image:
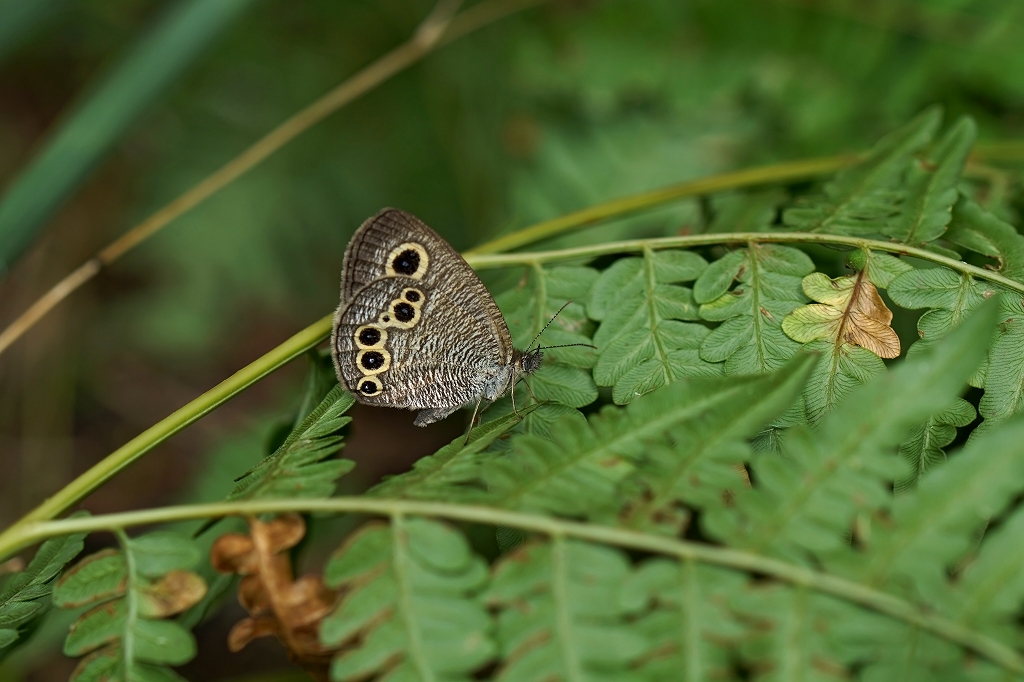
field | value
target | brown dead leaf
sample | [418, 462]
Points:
[849, 310]
[173, 593]
[277, 604]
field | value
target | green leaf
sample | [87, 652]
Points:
[806, 500]
[948, 295]
[692, 633]
[935, 524]
[303, 467]
[408, 609]
[101, 119]
[1004, 374]
[132, 590]
[641, 342]
[23, 596]
[861, 200]
[450, 462]
[701, 461]
[932, 187]
[750, 338]
[532, 305]
[561, 613]
[974, 228]
[923, 448]
[577, 471]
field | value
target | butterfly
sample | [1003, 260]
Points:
[416, 328]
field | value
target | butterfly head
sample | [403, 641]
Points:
[531, 360]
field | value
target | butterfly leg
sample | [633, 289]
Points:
[530, 390]
[472, 420]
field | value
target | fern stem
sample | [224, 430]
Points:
[505, 260]
[1002, 655]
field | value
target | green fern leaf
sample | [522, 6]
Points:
[578, 471]
[861, 200]
[974, 228]
[948, 296]
[795, 634]
[561, 614]
[1004, 373]
[408, 609]
[132, 590]
[750, 339]
[531, 305]
[701, 462]
[641, 341]
[691, 629]
[301, 467]
[923, 448]
[934, 525]
[989, 592]
[450, 463]
[932, 187]
[806, 500]
[23, 596]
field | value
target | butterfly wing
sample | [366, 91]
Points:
[444, 337]
[399, 344]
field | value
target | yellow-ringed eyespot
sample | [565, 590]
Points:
[413, 296]
[369, 336]
[369, 386]
[400, 314]
[373, 361]
[409, 260]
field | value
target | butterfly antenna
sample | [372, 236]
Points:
[568, 345]
[564, 306]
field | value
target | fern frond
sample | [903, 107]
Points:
[692, 632]
[974, 228]
[454, 462]
[301, 467]
[409, 609]
[642, 342]
[861, 200]
[578, 471]
[132, 591]
[948, 296]
[933, 526]
[1004, 373]
[701, 463]
[24, 595]
[923, 448]
[531, 305]
[750, 339]
[804, 502]
[561, 613]
[932, 187]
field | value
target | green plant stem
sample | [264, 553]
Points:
[106, 469]
[873, 599]
[788, 171]
[533, 258]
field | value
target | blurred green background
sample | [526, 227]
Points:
[111, 108]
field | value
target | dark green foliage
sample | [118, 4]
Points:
[131, 592]
[303, 465]
[24, 595]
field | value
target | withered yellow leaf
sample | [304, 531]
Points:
[849, 310]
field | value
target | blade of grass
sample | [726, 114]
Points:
[18, 19]
[99, 120]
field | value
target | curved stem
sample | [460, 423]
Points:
[801, 576]
[504, 260]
